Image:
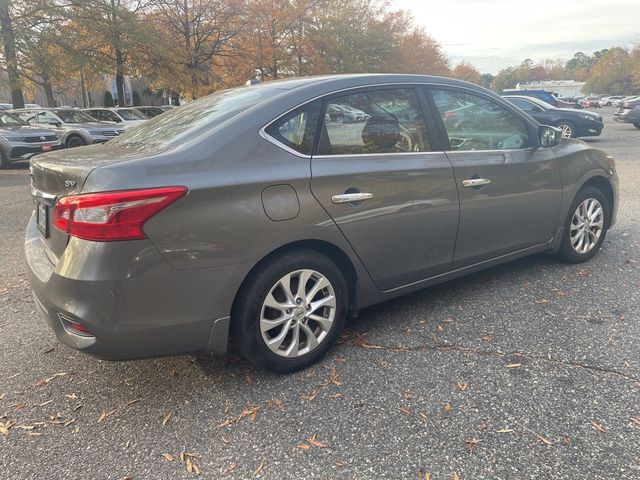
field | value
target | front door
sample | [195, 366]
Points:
[510, 191]
[391, 195]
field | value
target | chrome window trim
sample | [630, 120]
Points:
[262, 132]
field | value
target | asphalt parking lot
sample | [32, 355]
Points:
[528, 370]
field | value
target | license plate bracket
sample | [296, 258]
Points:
[42, 219]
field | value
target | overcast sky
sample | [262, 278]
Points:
[493, 34]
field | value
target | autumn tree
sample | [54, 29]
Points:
[612, 73]
[113, 35]
[195, 35]
[466, 71]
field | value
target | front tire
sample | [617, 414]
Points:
[568, 129]
[586, 226]
[290, 311]
[75, 141]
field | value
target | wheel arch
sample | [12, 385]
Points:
[602, 184]
[330, 250]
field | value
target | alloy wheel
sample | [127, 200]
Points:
[586, 225]
[566, 130]
[297, 313]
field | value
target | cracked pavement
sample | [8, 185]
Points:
[527, 370]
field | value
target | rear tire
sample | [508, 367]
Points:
[3, 161]
[586, 226]
[282, 326]
[637, 125]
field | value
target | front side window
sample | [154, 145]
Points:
[524, 105]
[130, 114]
[474, 122]
[47, 117]
[375, 121]
[73, 116]
[297, 129]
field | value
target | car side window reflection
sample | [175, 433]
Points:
[297, 129]
[377, 121]
[474, 122]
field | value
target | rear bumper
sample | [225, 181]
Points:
[131, 300]
[630, 117]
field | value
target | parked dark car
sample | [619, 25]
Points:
[543, 95]
[150, 112]
[572, 123]
[20, 141]
[248, 213]
[74, 127]
[629, 112]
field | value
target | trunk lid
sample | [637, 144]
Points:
[64, 172]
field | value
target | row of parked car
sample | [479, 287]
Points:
[31, 130]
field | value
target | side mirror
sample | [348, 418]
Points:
[549, 136]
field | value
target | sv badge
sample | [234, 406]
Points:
[70, 183]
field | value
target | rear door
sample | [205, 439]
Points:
[510, 190]
[387, 185]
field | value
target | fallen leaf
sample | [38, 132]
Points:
[316, 443]
[71, 396]
[513, 365]
[636, 421]
[504, 430]
[427, 476]
[47, 380]
[168, 457]
[196, 468]
[132, 402]
[423, 415]
[104, 415]
[472, 443]
[566, 440]
[13, 376]
[189, 464]
[463, 386]
[257, 471]
[562, 293]
[339, 464]
[225, 440]
[598, 426]
[166, 418]
[542, 301]
[230, 468]
[544, 440]
[46, 403]
[404, 410]
[182, 456]
[447, 407]
[455, 476]
[303, 446]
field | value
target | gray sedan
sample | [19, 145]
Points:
[19, 141]
[75, 127]
[249, 214]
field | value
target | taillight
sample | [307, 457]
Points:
[110, 216]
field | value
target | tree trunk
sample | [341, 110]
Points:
[8, 42]
[122, 100]
[83, 90]
[48, 91]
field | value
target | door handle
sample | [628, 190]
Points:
[475, 182]
[351, 197]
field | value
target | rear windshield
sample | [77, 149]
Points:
[202, 114]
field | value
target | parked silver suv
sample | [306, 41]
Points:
[75, 127]
[19, 141]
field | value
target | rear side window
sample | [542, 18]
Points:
[297, 129]
[374, 121]
[474, 122]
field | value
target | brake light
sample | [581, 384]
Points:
[110, 216]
